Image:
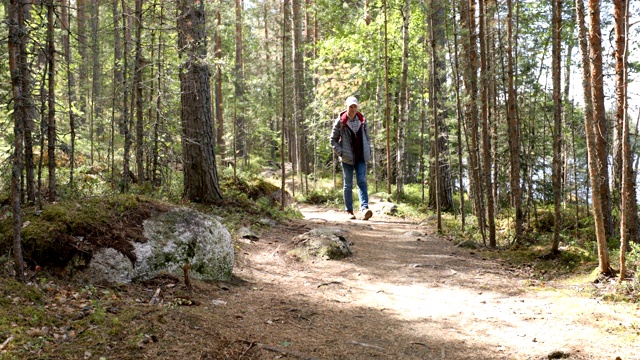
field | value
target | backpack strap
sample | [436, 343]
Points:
[344, 117]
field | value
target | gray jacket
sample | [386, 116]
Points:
[341, 140]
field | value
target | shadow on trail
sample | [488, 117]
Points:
[397, 297]
[325, 323]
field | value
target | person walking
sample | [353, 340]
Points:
[351, 142]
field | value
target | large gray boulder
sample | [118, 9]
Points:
[111, 266]
[173, 238]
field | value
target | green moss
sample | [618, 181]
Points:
[331, 196]
[568, 260]
[13, 288]
[33, 315]
[314, 248]
[99, 314]
[49, 236]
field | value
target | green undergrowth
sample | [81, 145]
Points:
[247, 200]
[52, 317]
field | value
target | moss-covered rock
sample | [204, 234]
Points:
[325, 243]
[183, 236]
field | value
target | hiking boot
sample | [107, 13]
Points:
[366, 214]
[351, 215]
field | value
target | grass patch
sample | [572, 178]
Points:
[569, 260]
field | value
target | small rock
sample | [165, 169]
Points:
[413, 233]
[246, 233]
[217, 302]
[558, 354]
[468, 244]
[268, 222]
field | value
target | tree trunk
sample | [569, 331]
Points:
[15, 22]
[51, 107]
[628, 222]
[200, 172]
[456, 77]
[486, 136]
[514, 130]
[138, 81]
[595, 167]
[285, 20]
[155, 176]
[403, 117]
[386, 97]
[71, 85]
[218, 89]
[441, 141]
[29, 109]
[298, 94]
[43, 64]
[96, 108]
[435, 93]
[240, 133]
[470, 79]
[599, 115]
[117, 83]
[126, 173]
[567, 116]
[557, 120]
[81, 21]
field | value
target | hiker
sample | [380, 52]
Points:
[350, 141]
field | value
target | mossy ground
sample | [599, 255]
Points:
[61, 232]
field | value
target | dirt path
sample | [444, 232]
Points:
[409, 297]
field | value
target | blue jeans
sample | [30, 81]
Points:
[361, 178]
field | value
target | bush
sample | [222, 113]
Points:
[323, 196]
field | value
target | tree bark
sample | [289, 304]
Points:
[298, 96]
[386, 97]
[200, 172]
[470, 79]
[285, 20]
[138, 95]
[81, 104]
[71, 84]
[29, 109]
[17, 31]
[441, 141]
[51, 107]
[557, 120]
[96, 86]
[240, 133]
[403, 117]
[218, 89]
[126, 172]
[628, 213]
[486, 136]
[456, 77]
[599, 116]
[595, 167]
[156, 179]
[514, 130]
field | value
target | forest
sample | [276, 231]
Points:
[504, 133]
[504, 115]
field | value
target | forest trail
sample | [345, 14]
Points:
[409, 297]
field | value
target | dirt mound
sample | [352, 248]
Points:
[67, 232]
